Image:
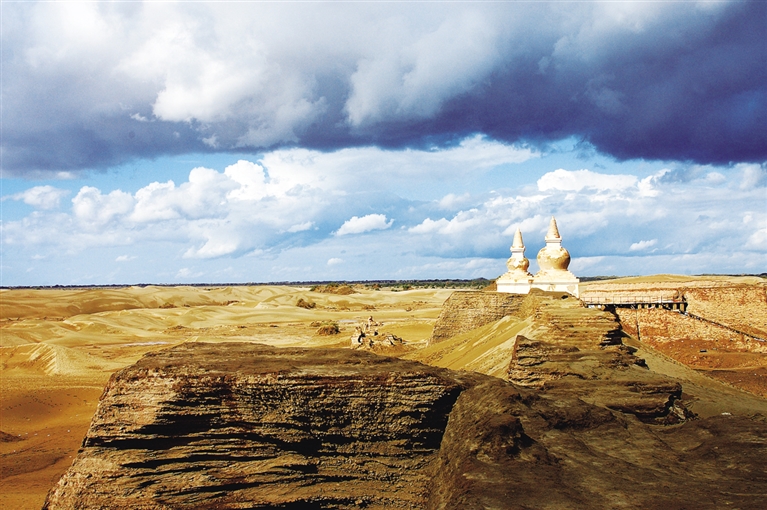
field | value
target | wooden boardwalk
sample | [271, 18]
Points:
[602, 301]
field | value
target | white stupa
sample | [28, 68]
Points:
[553, 261]
[516, 280]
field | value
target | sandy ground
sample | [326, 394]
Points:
[59, 348]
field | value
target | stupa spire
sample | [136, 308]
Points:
[518, 243]
[553, 232]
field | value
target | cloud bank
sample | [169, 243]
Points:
[299, 214]
[92, 85]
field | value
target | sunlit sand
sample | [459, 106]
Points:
[60, 346]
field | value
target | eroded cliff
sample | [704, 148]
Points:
[248, 426]
[233, 425]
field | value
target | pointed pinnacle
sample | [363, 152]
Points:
[553, 232]
[518, 243]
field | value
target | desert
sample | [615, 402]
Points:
[674, 395]
[252, 255]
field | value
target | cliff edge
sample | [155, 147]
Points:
[237, 425]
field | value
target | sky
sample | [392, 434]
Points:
[212, 142]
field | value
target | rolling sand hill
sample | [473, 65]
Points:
[58, 348]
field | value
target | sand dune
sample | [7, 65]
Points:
[59, 347]
[44, 359]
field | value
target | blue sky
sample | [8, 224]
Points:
[248, 142]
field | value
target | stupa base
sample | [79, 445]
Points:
[564, 285]
[513, 286]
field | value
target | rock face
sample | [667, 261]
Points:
[467, 310]
[742, 307]
[562, 347]
[739, 306]
[722, 334]
[717, 351]
[248, 426]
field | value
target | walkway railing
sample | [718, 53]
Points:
[629, 300]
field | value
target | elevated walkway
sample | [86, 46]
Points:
[612, 301]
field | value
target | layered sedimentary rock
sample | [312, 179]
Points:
[742, 307]
[715, 350]
[722, 332]
[247, 426]
[739, 306]
[467, 310]
[553, 343]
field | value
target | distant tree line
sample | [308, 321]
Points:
[476, 283]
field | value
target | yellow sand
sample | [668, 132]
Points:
[58, 348]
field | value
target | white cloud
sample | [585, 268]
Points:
[752, 175]
[212, 248]
[335, 261]
[256, 209]
[428, 226]
[461, 222]
[535, 223]
[414, 82]
[41, 197]
[376, 168]
[94, 209]
[357, 225]
[451, 200]
[643, 245]
[758, 240]
[186, 273]
[251, 179]
[566, 180]
[301, 227]
[125, 258]
[250, 203]
[715, 178]
[647, 187]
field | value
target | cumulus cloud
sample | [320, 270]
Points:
[301, 227]
[634, 79]
[643, 245]
[287, 197]
[185, 273]
[289, 213]
[335, 261]
[564, 180]
[601, 215]
[451, 200]
[367, 223]
[92, 208]
[753, 176]
[40, 197]
[429, 225]
[758, 240]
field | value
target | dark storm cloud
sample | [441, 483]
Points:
[684, 90]
[95, 85]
